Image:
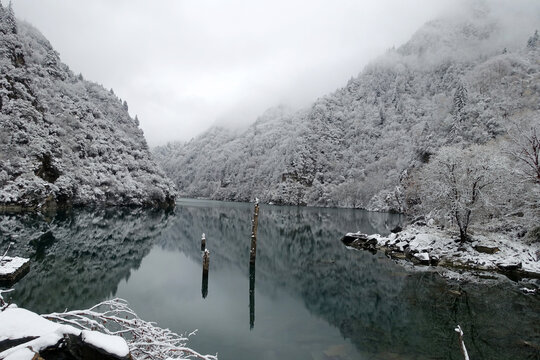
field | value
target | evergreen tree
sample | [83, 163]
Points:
[10, 22]
[460, 100]
[532, 43]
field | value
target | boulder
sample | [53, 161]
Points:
[12, 269]
[486, 249]
[396, 229]
[434, 260]
[420, 258]
[396, 255]
[510, 266]
[348, 239]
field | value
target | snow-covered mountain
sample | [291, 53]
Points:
[65, 140]
[460, 80]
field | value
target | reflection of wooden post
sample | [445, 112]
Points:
[252, 256]
[254, 226]
[251, 295]
[253, 249]
[205, 266]
[462, 343]
[203, 242]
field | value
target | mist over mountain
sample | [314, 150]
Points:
[460, 80]
[65, 140]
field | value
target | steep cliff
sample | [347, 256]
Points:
[65, 140]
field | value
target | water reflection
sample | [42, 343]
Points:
[78, 257]
[251, 295]
[205, 268]
[312, 293]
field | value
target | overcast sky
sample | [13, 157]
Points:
[185, 65]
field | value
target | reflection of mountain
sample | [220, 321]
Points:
[380, 307]
[78, 258]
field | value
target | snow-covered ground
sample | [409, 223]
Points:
[432, 246]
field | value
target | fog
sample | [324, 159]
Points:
[185, 65]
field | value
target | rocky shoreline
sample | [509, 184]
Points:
[430, 246]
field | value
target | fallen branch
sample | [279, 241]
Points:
[462, 343]
[145, 339]
[3, 304]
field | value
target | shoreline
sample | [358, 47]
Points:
[423, 245]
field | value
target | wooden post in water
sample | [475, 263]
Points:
[203, 242]
[254, 226]
[255, 218]
[205, 266]
[251, 295]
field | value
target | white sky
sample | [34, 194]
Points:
[185, 65]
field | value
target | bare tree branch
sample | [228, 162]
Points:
[145, 339]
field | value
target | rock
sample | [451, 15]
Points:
[402, 245]
[510, 266]
[348, 239]
[420, 259]
[360, 241]
[396, 255]
[419, 219]
[486, 249]
[9, 343]
[434, 260]
[396, 229]
[371, 242]
[12, 269]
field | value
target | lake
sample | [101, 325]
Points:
[306, 297]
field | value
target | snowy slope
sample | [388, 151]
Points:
[353, 148]
[65, 140]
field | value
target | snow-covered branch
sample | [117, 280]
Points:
[462, 343]
[3, 304]
[145, 339]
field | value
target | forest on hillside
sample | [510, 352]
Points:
[445, 126]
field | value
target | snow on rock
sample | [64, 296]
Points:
[18, 323]
[37, 333]
[108, 343]
[432, 246]
[9, 265]
[21, 354]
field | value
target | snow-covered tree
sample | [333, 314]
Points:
[10, 22]
[456, 185]
[533, 41]
[460, 100]
[527, 152]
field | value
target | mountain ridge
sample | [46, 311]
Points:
[354, 147]
[64, 140]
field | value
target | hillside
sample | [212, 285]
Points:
[460, 80]
[65, 140]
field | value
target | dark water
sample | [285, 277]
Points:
[310, 297]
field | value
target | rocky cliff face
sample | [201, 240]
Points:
[459, 81]
[65, 140]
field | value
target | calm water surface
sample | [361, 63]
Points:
[311, 298]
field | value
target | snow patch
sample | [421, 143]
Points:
[9, 265]
[109, 343]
